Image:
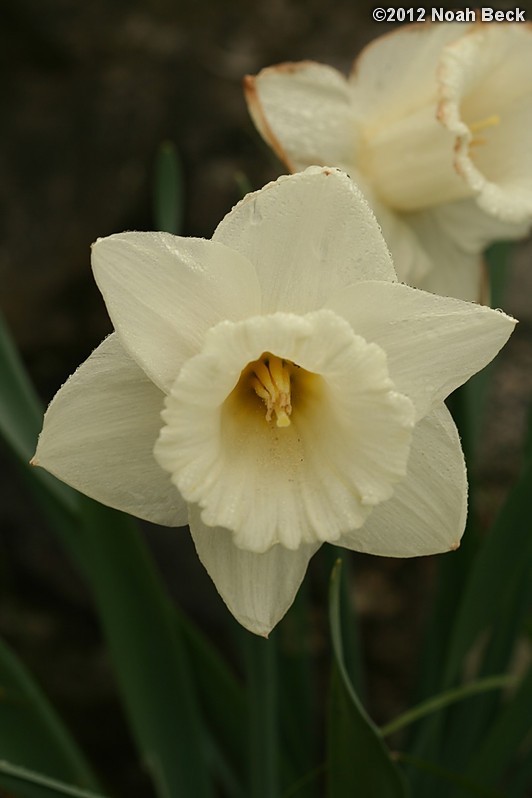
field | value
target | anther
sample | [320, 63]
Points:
[271, 382]
[482, 124]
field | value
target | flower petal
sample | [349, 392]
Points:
[163, 292]
[427, 512]
[98, 437]
[257, 588]
[455, 273]
[307, 235]
[456, 268]
[439, 249]
[345, 448]
[395, 74]
[406, 154]
[409, 256]
[486, 87]
[466, 224]
[303, 111]
[433, 343]
[454, 235]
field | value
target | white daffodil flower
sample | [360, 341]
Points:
[274, 388]
[433, 124]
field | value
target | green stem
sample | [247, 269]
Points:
[443, 700]
[263, 720]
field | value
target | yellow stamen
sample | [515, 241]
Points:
[271, 382]
[488, 121]
[482, 124]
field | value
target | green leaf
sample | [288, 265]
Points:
[31, 732]
[520, 779]
[503, 558]
[502, 742]
[297, 692]
[496, 588]
[20, 411]
[443, 775]
[104, 546]
[308, 782]
[359, 762]
[453, 568]
[148, 655]
[168, 190]
[468, 724]
[493, 601]
[498, 261]
[25, 783]
[21, 415]
[222, 702]
[145, 643]
[452, 572]
[222, 698]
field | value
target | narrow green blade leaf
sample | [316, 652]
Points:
[504, 557]
[520, 780]
[505, 735]
[222, 701]
[137, 619]
[307, 784]
[31, 733]
[222, 698]
[25, 783]
[168, 192]
[467, 725]
[453, 568]
[358, 761]
[148, 656]
[452, 572]
[21, 414]
[502, 562]
[297, 693]
[144, 641]
[444, 776]
[498, 260]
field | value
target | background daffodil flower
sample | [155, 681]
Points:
[274, 388]
[433, 124]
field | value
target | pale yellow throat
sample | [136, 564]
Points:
[270, 378]
[273, 389]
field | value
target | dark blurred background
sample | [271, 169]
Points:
[89, 92]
